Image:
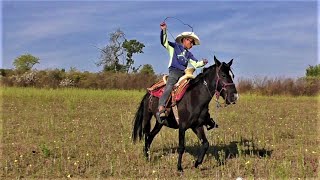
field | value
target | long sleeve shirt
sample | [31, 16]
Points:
[179, 56]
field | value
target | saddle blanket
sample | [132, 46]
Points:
[177, 92]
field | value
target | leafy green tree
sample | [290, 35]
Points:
[147, 69]
[313, 71]
[117, 55]
[25, 62]
[131, 47]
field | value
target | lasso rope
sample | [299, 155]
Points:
[179, 21]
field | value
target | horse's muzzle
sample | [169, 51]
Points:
[232, 98]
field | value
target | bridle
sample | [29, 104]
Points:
[216, 91]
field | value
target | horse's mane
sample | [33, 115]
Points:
[199, 77]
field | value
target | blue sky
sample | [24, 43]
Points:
[270, 38]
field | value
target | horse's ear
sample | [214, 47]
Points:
[230, 63]
[216, 61]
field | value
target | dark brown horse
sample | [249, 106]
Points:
[216, 80]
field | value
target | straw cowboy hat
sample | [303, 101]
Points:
[189, 35]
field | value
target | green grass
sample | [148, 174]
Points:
[87, 134]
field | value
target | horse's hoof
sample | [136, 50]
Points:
[180, 169]
[196, 164]
[146, 156]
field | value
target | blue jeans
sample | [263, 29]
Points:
[174, 75]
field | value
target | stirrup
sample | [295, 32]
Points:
[161, 116]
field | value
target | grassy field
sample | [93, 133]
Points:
[72, 133]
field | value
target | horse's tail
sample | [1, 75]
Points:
[138, 120]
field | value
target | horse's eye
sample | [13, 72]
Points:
[223, 75]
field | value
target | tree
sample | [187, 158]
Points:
[25, 62]
[313, 71]
[131, 47]
[112, 55]
[147, 69]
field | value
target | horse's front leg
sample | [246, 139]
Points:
[208, 121]
[205, 144]
[181, 147]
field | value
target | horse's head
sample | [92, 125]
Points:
[224, 81]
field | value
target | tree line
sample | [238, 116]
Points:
[116, 56]
[116, 60]
[119, 72]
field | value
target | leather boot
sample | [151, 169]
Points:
[161, 114]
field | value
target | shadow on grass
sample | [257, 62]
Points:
[221, 152]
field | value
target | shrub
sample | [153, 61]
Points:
[306, 86]
[313, 71]
[56, 78]
[67, 83]
[28, 78]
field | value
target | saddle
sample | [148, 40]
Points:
[177, 93]
[178, 90]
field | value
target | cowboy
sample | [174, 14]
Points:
[180, 58]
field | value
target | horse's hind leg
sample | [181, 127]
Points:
[205, 144]
[149, 136]
[146, 129]
[181, 148]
